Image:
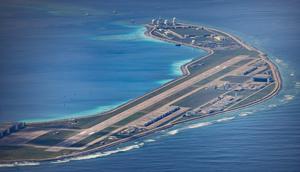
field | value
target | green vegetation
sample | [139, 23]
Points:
[236, 79]
[53, 137]
[191, 31]
[77, 123]
[202, 65]
[224, 50]
[200, 97]
[243, 62]
[109, 129]
[219, 56]
[243, 93]
[26, 152]
[154, 106]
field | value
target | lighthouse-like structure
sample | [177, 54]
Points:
[174, 21]
[166, 22]
[153, 21]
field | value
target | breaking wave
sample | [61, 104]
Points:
[137, 145]
[136, 35]
[149, 140]
[272, 105]
[297, 85]
[173, 132]
[102, 154]
[176, 67]
[201, 124]
[287, 98]
[280, 62]
[277, 60]
[225, 119]
[245, 114]
[17, 164]
[164, 81]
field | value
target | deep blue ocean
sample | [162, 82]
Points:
[64, 58]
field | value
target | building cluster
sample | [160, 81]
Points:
[190, 113]
[164, 22]
[7, 128]
[197, 36]
[248, 85]
[260, 72]
[259, 75]
[253, 77]
[130, 131]
[161, 116]
[218, 104]
[217, 37]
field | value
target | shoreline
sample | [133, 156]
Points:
[185, 73]
[140, 32]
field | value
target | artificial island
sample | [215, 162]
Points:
[231, 76]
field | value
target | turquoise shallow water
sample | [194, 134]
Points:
[259, 138]
[91, 70]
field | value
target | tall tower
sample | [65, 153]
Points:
[225, 86]
[157, 22]
[235, 94]
[166, 22]
[153, 21]
[174, 21]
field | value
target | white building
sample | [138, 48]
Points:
[7, 128]
[153, 21]
[166, 22]
[174, 21]
[219, 38]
